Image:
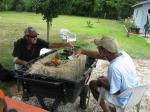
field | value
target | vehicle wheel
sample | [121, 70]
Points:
[25, 96]
[41, 102]
[84, 97]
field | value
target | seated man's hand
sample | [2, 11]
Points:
[103, 82]
[78, 53]
[24, 62]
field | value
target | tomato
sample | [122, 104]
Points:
[56, 61]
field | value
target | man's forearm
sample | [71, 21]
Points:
[56, 45]
[60, 45]
[93, 54]
[21, 62]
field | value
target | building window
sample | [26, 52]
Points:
[149, 11]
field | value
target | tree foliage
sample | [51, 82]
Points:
[50, 9]
[83, 7]
[27, 5]
[104, 8]
[125, 7]
[6, 5]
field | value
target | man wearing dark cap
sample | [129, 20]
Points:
[121, 73]
[28, 47]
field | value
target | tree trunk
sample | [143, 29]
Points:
[6, 5]
[145, 33]
[98, 20]
[105, 14]
[48, 30]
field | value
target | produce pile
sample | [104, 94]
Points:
[59, 65]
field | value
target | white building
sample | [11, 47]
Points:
[141, 11]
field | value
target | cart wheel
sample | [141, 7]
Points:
[40, 100]
[84, 97]
[25, 96]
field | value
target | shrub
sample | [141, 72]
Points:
[89, 24]
[130, 24]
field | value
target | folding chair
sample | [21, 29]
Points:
[67, 36]
[135, 97]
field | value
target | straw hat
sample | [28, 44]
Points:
[108, 43]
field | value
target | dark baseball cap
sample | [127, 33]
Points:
[30, 31]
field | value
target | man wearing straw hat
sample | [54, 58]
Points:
[121, 73]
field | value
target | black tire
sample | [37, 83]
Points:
[41, 102]
[25, 96]
[84, 97]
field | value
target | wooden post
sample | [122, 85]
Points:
[128, 34]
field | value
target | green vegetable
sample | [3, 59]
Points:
[60, 56]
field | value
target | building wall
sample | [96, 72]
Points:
[140, 16]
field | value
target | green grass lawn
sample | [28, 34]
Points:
[12, 25]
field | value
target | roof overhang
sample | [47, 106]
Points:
[141, 3]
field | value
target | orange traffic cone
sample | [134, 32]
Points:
[3, 106]
[1, 94]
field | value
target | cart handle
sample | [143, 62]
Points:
[40, 57]
[39, 81]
